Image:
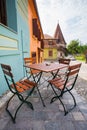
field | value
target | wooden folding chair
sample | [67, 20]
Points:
[29, 73]
[17, 88]
[63, 61]
[65, 85]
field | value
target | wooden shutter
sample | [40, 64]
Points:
[39, 35]
[35, 27]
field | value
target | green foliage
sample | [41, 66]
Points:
[75, 47]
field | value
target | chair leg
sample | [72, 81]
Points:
[28, 77]
[65, 111]
[14, 117]
[58, 97]
[29, 103]
[40, 74]
[8, 110]
[73, 99]
[40, 96]
[22, 102]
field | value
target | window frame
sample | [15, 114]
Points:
[7, 14]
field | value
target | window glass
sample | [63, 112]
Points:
[8, 14]
[3, 15]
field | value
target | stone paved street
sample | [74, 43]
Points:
[83, 70]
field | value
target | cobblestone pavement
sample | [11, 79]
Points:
[52, 116]
[83, 70]
[81, 87]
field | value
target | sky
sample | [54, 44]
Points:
[70, 14]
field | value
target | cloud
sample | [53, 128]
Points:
[71, 15]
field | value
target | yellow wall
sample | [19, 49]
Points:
[46, 53]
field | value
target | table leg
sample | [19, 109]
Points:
[39, 75]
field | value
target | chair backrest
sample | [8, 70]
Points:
[15, 87]
[69, 79]
[8, 76]
[29, 60]
[64, 61]
[72, 75]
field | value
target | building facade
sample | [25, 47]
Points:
[50, 48]
[15, 36]
[54, 47]
[36, 33]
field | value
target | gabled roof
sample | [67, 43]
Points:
[46, 36]
[59, 35]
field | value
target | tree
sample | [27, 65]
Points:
[85, 49]
[73, 47]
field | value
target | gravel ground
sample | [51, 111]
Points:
[81, 87]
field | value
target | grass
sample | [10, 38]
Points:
[80, 57]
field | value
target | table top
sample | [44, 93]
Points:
[46, 67]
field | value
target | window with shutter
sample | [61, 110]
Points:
[50, 53]
[35, 27]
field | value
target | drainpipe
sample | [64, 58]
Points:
[22, 52]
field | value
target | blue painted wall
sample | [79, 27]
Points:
[14, 45]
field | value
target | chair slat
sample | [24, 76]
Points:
[26, 84]
[8, 73]
[59, 83]
[73, 72]
[20, 85]
[30, 82]
[7, 67]
[64, 61]
[75, 66]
